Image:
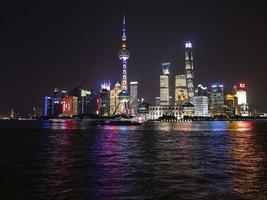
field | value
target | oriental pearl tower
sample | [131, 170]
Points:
[123, 106]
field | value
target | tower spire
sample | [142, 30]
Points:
[123, 32]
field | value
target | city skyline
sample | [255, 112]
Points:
[78, 64]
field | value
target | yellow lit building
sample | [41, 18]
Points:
[114, 100]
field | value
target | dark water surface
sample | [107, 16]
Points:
[179, 160]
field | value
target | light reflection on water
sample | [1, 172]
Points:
[183, 160]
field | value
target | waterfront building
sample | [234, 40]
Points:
[48, 106]
[231, 104]
[87, 100]
[181, 95]
[188, 109]
[143, 111]
[241, 94]
[69, 106]
[201, 104]
[134, 97]
[104, 100]
[114, 98]
[123, 107]
[155, 112]
[57, 101]
[165, 84]
[201, 101]
[217, 100]
[189, 71]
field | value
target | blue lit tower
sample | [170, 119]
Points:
[123, 107]
[189, 71]
[124, 56]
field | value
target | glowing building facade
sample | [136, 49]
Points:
[104, 100]
[231, 104]
[217, 99]
[134, 97]
[48, 106]
[57, 100]
[241, 94]
[201, 101]
[181, 95]
[189, 71]
[165, 84]
[69, 106]
[114, 98]
[201, 104]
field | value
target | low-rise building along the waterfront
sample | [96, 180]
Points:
[156, 112]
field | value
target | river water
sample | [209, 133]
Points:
[158, 160]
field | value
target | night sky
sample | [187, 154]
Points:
[48, 44]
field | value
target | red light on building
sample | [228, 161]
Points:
[70, 106]
[67, 106]
[242, 85]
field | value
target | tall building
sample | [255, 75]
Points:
[201, 90]
[217, 99]
[58, 96]
[134, 97]
[201, 104]
[69, 106]
[104, 100]
[124, 56]
[114, 98]
[181, 95]
[48, 106]
[165, 84]
[241, 94]
[189, 70]
[87, 100]
[231, 104]
[201, 101]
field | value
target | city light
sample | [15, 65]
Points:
[188, 45]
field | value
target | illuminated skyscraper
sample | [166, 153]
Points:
[201, 101]
[48, 106]
[57, 101]
[231, 104]
[104, 100]
[241, 94]
[165, 84]
[87, 100]
[114, 98]
[70, 106]
[181, 96]
[217, 99]
[189, 71]
[134, 97]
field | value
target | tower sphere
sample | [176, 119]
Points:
[124, 54]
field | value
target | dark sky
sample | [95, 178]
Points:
[47, 44]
